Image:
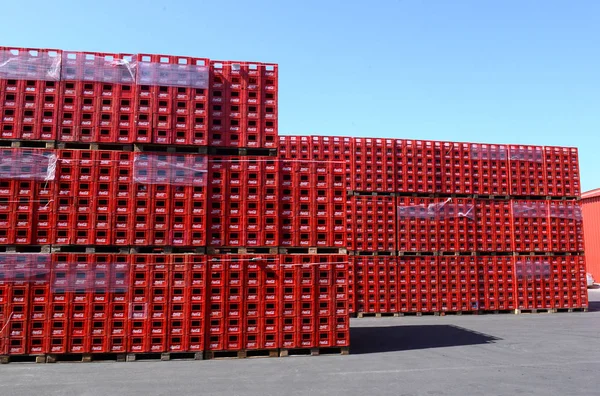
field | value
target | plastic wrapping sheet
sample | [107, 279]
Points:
[526, 154]
[189, 74]
[530, 209]
[438, 211]
[25, 268]
[30, 64]
[489, 152]
[27, 164]
[98, 67]
[531, 270]
[567, 212]
[173, 169]
[69, 278]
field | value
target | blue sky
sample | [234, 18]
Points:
[509, 71]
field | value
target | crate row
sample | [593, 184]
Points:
[99, 303]
[384, 223]
[438, 284]
[74, 96]
[243, 201]
[243, 105]
[427, 167]
[312, 199]
[89, 197]
[124, 198]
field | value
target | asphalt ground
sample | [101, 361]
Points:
[528, 354]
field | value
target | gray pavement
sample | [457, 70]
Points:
[535, 354]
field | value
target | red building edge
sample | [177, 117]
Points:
[590, 203]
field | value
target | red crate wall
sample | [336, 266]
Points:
[377, 284]
[29, 96]
[417, 225]
[24, 293]
[314, 301]
[374, 223]
[89, 303]
[295, 147]
[490, 169]
[531, 231]
[243, 204]
[458, 277]
[335, 149]
[527, 170]
[496, 283]
[26, 198]
[171, 100]
[566, 226]
[493, 221]
[454, 174]
[312, 204]
[562, 171]
[97, 92]
[550, 282]
[419, 284]
[99, 200]
[243, 104]
[416, 166]
[374, 167]
[455, 219]
[243, 302]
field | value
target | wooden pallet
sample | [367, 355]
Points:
[241, 354]
[174, 149]
[244, 151]
[284, 352]
[85, 357]
[370, 193]
[534, 310]
[458, 313]
[570, 310]
[416, 254]
[313, 250]
[5, 359]
[166, 250]
[94, 146]
[44, 144]
[165, 356]
[243, 250]
[418, 314]
[89, 249]
[361, 315]
[25, 249]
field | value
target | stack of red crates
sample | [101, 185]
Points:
[171, 100]
[29, 93]
[169, 199]
[243, 205]
[26, 196]
[377, 284]
[420, 284]
[313, 204]
[24, 294]
[375, 224]
[432, 226]
[243, 297]
[314, 299]
[243, 104]
[97, 93]
[374, 165]
[496, 283]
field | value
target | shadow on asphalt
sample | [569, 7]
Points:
[403, 338]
